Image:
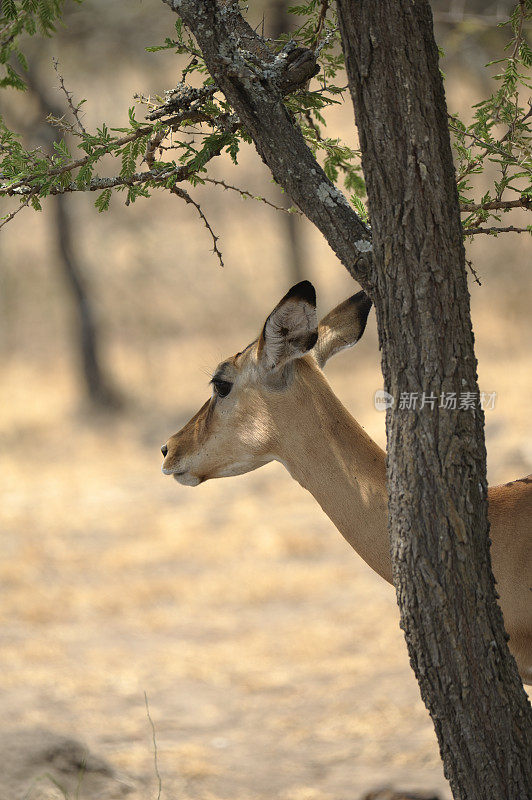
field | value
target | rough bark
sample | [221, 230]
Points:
[436, 458]
[417, 279]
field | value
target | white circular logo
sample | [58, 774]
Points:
[383, 400]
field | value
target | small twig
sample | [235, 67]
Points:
[179, 192]
[473, 272]
[154, 747]
[321, 22]
[153, 144]
[493, 231]
[245, 193]
[313, 125]
[14, 213]
[494, 205]
[68, 95]
[488, 148]
[62, 124]
[519, 34]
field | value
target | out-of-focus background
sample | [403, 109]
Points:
[270, 653]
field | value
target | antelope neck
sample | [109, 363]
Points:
[331, 456]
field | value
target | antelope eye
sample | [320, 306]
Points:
[222, 388]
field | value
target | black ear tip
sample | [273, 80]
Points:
[361, 300]
[363, 305]
[302, 291]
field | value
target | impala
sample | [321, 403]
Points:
[272, 402]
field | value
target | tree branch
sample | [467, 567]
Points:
[490, 147]
[494, 230]
[25, 183]
[244, 193]
[97, 184]
[73, 108]
[494, 205]
[14, 213]
[253, 87]
[179, 192]
[321, 22]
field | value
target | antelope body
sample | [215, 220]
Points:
[272, 402]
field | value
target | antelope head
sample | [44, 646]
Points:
[260, 392]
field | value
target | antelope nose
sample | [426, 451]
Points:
[164, 450]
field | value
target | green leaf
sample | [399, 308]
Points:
[132, 121]
[61, 148]
[12, 79]
[103, 200]
[9, 9]
[128, 161]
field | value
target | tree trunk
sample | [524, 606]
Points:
[436, 457]
[99, 389]
[97, 386]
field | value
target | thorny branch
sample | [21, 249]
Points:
[25, 183]
[73, 108]
[497, 205]
[494, 230]
[182, 98]
[245, 193]
[153, 144]
[473, 272]
[491, 147]
[9, 217]
[180, 192]
[519, 37]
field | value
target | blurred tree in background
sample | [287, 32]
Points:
[97, 383]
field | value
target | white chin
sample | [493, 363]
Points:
[187, 479]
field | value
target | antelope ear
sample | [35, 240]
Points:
[342, 327]
[291, 330]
